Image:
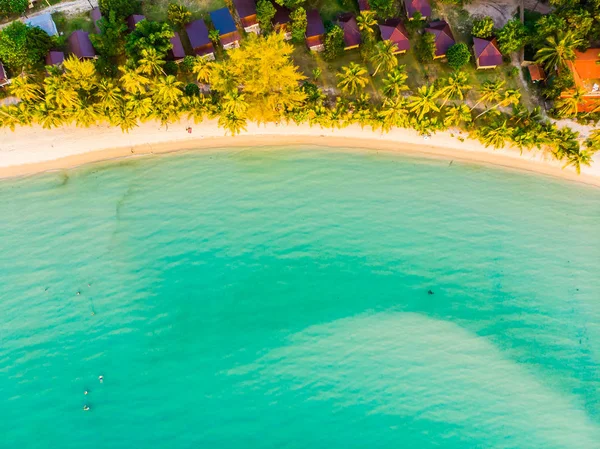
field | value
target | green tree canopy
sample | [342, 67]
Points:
[265, 11]
[512, 37]
[111, 40]
[178, 15]
[8, 7]
[385, 9]
[148, 34]
[425, 48]
[299, 23]
[458, 55]
[23, 47]
[334, 43]
[121, 8]
[291, 4]
[483, 28]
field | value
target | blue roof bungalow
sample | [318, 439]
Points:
[45, 22]
[224, 24]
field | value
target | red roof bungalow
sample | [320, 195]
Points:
[536, 73]
[176, 53]
[352, 37]
[443, 37]
[228, 33]
[363, 5]
[282, 22]
[55, 58]
[4, 80]
[96, 15]
[421, 6]
[133, 20]
[198, 35]
[80, 45]
[246, 10]
[315, 31]
[586, 74]
[393, 30]
[487, 54]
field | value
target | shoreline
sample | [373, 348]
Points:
[33, 150]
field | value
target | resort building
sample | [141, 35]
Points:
[176, 53]
[133, 20]
[315, 31]
[4, 80]
[443, 37]
[352, 37]
[421, 6]
[363, 5]
[246, 10]
[45, 22]
[55, 57]
[80, 45]
[282, 22]
[487, 54]
[393, 30]
[224, 24]
[536, 73]
[96, 15]
[586, 74]
[198, 34]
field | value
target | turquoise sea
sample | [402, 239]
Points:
[278, 298]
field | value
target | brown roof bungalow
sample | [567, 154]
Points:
[536, 73]
[4, 80]
[393, 30]
[282, 22]
[487, 54]
[315, 31]
[443, 37]
[176, 53]
[586, 74]
[246, 10]
[363, 5]
[133, 20]
[352, 37]
[198, 35]
[421, 6]
[55, 57]
[80, 45]
[228, 33]
[96, 15]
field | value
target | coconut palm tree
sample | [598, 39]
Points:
[592, 143]
[24, 88]
[384, 55]
[60, 93]
[108, 95]
[563, 141]
[424, 101]
[125, 118]
[151, 63]
[496, 134]
[141, 107]
[491, 92]
[457, 114]
[569, 106]
[508, 97]
[232, 123]
[558, 50]
[234, 103]
[395, 82]
[81, 74]
[578, 158]
[202, 68]
[167, 90]
[393, 113]
[524, 117]
[133, 81]
[47, 117]
[352, 78]
[85, 114]
[455, 86]
[366, 24]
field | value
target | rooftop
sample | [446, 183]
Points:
[198, 33]
[177, 52]
[352, 37]
[245, 8]
[222, 20]
[45, 22]
[133, 20]
[421, 6]
[55, 58]
[393, 30]
[314, 25]
[443, 36]
[487, 53]
[96, 15]
[80, 44]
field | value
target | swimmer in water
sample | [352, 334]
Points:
[85, 408]
[85, 392]
[78, 293]
[429, 292]
[100, 378]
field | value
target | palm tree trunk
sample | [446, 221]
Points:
[377, 69]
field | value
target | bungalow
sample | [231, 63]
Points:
[443, 37]
[421, 6]
[96, 16]
[586, 74]
[393, 30]
[282, 22]
[315, 31]
[487, 54]
[45, 22]
[176, 53]
[198, 35]
[228, 33]
[363, 5]
[80, 45]
[4, 79]
[55, 57]
[133, 20]
[536, 73]
[246, 10]
[352, 37]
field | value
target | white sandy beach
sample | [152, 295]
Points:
[34, 149]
